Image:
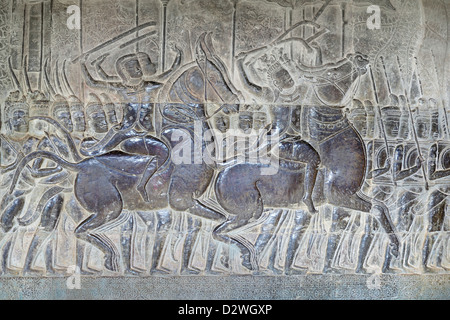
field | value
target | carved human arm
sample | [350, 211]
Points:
[262, 92]
[379, 172]
[369, 171]
[176, 63]
[433, 173]
[398, 173]
[105, 85]
[36, 170]
[101, 72]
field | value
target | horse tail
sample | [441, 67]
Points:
[70, 142]
[41, 154]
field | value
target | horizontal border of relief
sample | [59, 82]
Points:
[337, 287]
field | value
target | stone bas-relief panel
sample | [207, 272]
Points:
[189, 137]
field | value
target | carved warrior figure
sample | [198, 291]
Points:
[60, 111]
[436, 249]
[16, 113]
[78, 115]
[333, 84]
[327, 125]
[39, 107]
[96, 117]
[410, 222]
[134, 84]
[135, 80]
[38, 137]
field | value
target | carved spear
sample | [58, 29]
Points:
[447, 128]
[381, 123]
[115, 39]
[419, 152]
[321, 10]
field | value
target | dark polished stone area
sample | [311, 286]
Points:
[184, 138]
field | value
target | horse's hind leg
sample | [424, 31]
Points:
[223, 232]
[86, 231]
[107, 207]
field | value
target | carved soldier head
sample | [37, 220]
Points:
[17, 113]
[423, 126]
[77, 112]
[96, 115]
[148, 67]
[423, 119]
[134, 67]
[220, 116]
[130, 115]
[259, 120]
[391, 117]
[39, 107]
[61, 112]
[245, 119]
[146, 116]
[280, 119]
[222, 123]
[110, 109]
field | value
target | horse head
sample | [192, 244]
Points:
[336, 83]
[360, 62]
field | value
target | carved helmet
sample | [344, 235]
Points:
[59, 104]
[15, 102]
[94, 104]
[39, 104]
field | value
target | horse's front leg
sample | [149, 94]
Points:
[99, 196]
[225, 232]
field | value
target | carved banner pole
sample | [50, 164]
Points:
[164, 34]
[233, 37]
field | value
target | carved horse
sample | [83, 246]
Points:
[106, 184]
[244, 192]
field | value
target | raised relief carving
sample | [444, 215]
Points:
[271, 137]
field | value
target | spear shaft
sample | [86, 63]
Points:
[446, 124]
[381, 123]
[419, 152]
